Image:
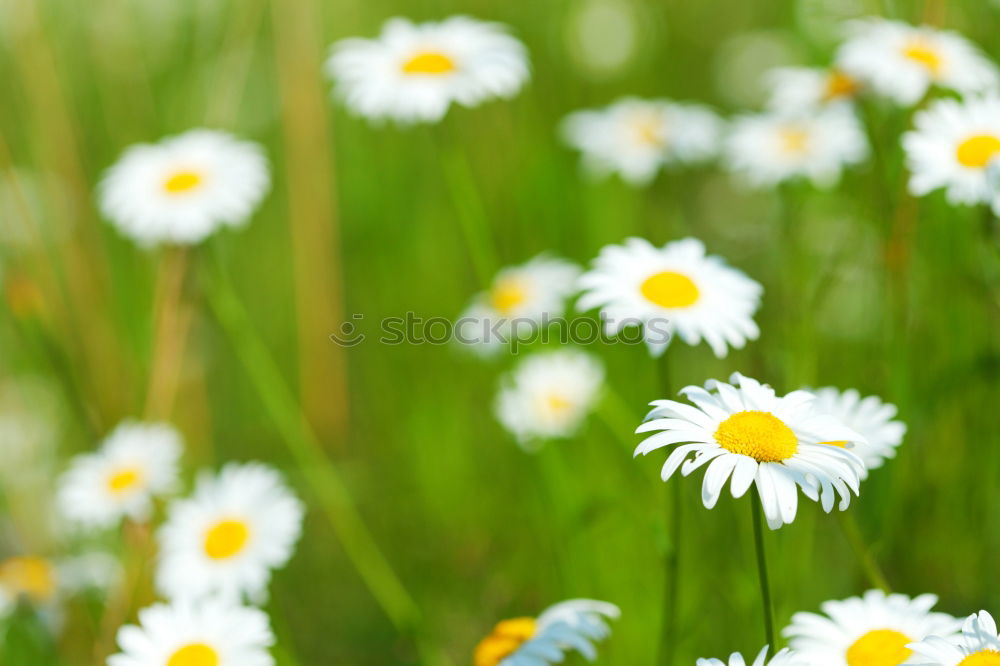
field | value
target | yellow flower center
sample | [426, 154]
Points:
[794, 140]
[881, 647]
[429, 62]
[648, 130]
[558, 403]
[978, 151]
[124, 480]
[508, 294]
[31, 577]
[195, 654]
[226, 538]
[669, 289]
[760, 435]
[183, 182]
[839, 85]
[982, 658]
[924, 54]
[503, 641]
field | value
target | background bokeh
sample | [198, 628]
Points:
[864, 287]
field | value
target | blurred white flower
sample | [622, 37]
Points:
[226, 539]
[548, 395]
[770, 148]
[902, 62]
[675, 289]
[30, 578]
[797, 90]
[185, 187]
[956, 145]
[414, 72]
[635, 138]
[135, 464]
[869, 417]
[573, 625]
[520, 299]
[748, 433]
[978, 645]
[208, 633]
[873, 629]
[783, 658]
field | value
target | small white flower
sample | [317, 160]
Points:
[902, 62]
[870, 417]
[135, 464]
[978, 645]
[226, 539]
[414, 72]
[783, 658]
[770, 148]
[548, 395]
[807, 89]
[636, 137]
[956, 146]
[520, 300]
[873, 629]
[675, 289]
[32, 578]
[186, 633]
[573, 625]
[183, 188]
[751, 435]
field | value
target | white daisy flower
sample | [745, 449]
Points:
[32, 578]
[186, 633]
[806, 89]
[229, 535]
[521, 299]
[902, 62]
[527, 641]
[770, 148]
[956, 146]
[978, 645]
[675, 289]
[135, 464]
[782, 658]
[873, 629]
[183, 188]
[752, 435]
[414, 72]
[548, 395]
[870, 417]
[636, 137]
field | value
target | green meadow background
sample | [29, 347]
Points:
[864, 287]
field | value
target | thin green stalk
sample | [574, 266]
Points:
[866, 560]
[471, 213]
[672, 559]
[765, 585]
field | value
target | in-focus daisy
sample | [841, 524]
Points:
[414, 72]
[520, 299]
[806, 89]
[227, 538]
[783, 658]
[675, 289]
[527, 641]
[548, 395]
[902, 61]
[978, 645]
[186, 633]
[770, 148]
[747, 433]
[136, 463]
[28, 577]
[870, 417]
[636, 137]
[873, 629]
[183, 188]
[956, 146]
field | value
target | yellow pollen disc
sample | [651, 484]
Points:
[794, 140]
[760, 435]
[670, 290]
[182, 182]
[226, 539]
[978, 151]
[124, 480]
[557, 403]
[503, 641]
[507, 295]
[648, 130]
[982, 658]
[925, 54]
[839, 85]
[31, 577]
[195, 654]
[429, 62]
[881, 647]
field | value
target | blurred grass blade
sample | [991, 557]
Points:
[471, 213]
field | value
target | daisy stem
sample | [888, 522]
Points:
[852, 532]
[171, 323]
[672, 563]
[765, 585]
